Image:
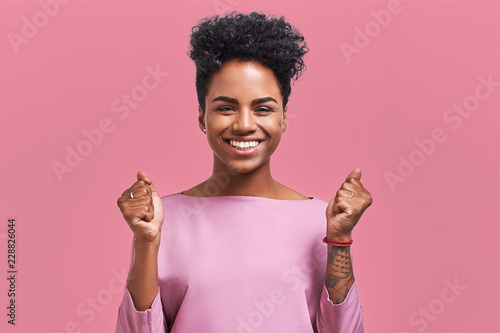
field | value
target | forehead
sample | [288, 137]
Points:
[244, 78]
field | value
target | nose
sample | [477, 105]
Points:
[244, 121]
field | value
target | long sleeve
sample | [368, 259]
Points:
[130, 320]
[346, 317]
[213, 280]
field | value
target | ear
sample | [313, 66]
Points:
[201, 119]
[284, 120]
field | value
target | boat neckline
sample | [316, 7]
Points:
[247, 197]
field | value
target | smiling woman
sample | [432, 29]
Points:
[241, 252]
[243, 109]
[244, 65]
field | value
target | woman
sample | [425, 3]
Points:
[241, 252]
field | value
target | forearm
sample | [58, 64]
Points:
[143, 280]
[339, 273]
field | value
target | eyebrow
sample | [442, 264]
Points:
[235, 101]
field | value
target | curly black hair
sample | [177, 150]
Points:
[268, 40]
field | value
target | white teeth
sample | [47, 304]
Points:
[244, 144]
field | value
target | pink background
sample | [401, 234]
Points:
[439, 226]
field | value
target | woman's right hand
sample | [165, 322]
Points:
[143, 213]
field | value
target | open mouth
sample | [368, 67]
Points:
[244, 145]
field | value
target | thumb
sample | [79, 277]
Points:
[356, 173]
[142, 175]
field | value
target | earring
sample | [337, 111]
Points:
[204, 130]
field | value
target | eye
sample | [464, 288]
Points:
[264, 110]
[224, 108]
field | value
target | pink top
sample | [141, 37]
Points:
[242, 264]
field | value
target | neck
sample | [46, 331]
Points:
[226, 181]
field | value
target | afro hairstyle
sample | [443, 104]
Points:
[267, 40]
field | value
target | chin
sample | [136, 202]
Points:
[239, 168]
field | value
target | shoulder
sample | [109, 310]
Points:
[298, 196]
[171, 198]
[286, 193]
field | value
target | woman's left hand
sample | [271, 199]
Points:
[343, 212]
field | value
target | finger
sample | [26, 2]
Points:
[356, 174]
[144, 213]
[141, 175]
[340, 199]
[344, 194]
[140, 189]
[125, 192]
[351, 187]
[148, 213]
[137, 193]
[345, 205]
[144, 201]
[356, 182]
[154, 192]
[138, 184]
[144, 176]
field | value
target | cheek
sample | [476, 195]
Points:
[218, 124]
[276, 128]
[273, 123]
[214, 142]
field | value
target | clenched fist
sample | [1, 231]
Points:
[143, 210]
[345, 209]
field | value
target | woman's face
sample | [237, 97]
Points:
[243, 105]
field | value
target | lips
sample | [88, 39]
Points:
[243, 139]
[228, 140]
[245, 151]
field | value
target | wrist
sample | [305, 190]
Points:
[339, 237]
[146, 245]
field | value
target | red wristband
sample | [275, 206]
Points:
[337, 243]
